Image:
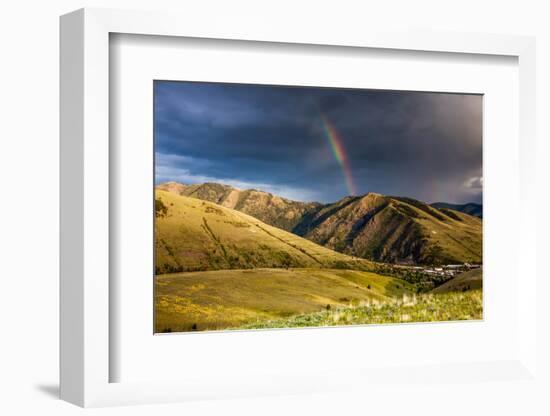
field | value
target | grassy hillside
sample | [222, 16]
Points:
[373, 226]
[469, 280]
[393, 229]
[195, 235]
[229, 298]
[271, 209]
[453, 306]
[218, 268]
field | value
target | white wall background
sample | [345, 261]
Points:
[29, 181]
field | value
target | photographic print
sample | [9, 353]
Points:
[292, 206]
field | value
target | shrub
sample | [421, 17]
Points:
[160, 209]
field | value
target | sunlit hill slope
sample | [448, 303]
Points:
[195, 235]
[372, 226]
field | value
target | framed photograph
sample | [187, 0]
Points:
[274, 212]
[289, 206]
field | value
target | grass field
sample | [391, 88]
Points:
[451, 306]
[222, 299]
[469, 280]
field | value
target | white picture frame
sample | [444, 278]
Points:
[86, 356]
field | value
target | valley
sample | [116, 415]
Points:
[368, 259]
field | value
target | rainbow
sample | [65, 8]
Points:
[337, 146]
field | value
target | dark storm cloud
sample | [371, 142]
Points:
[423, 145]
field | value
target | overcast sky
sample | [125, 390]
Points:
[426, 146]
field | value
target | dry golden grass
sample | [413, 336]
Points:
[452, 306]
[469, 280]
[228, 298]
[195, 235]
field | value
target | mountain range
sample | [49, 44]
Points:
[373, 226]
[469, 208]
[271, 209]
